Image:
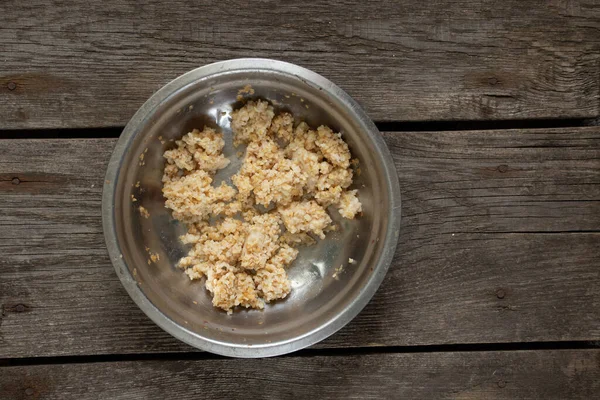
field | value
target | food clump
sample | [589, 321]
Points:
[244, 235]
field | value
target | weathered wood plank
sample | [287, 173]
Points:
[76, 64]
[565, 374]
[500, 242]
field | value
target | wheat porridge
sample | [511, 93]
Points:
[244, 235]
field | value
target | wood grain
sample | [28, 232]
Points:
[76, 64]
[565, 374]
[500, 242]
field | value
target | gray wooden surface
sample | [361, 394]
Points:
[569, 374]
[500, 242]
[81, 64]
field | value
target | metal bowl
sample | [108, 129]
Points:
[327, 291]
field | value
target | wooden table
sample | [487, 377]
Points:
[491, 111]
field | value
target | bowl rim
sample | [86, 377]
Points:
[318, 334]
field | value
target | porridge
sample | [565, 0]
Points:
[244, 235]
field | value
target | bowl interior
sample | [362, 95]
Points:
[319, 294]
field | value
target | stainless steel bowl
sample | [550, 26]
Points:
[321, 301]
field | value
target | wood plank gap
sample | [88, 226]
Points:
[394, 126]
[75, 133]
[311, 352]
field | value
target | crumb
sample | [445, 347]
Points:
[246, 90]
[195, 302]
[292, 172]
[269, 175]
[331, 228]
[349, 205]
[305, 216]
[282, 126]
[154, 257]
[197, 150]
[133, 199]
[297, 239]
[351, 261]
[160, 138]
[137, 184]
[333, 147]
[143, 212]
[337, 272]
[251, 122]
[191, 107]
[141, 157]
